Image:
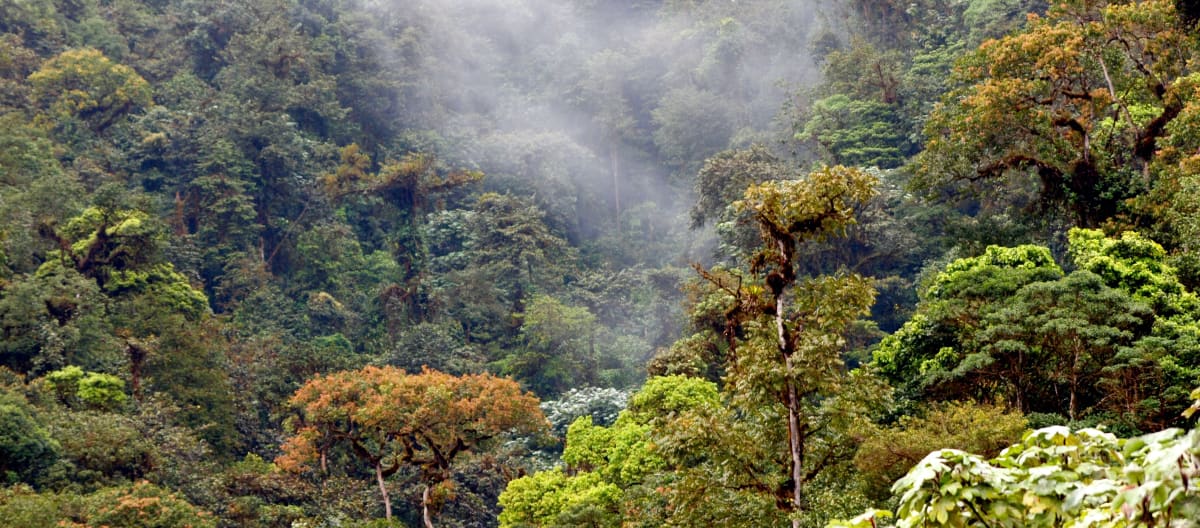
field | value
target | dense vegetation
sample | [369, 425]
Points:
[553, 263]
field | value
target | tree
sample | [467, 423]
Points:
[1059, 337]
[558, 347]
[1113, 341]
[784, 331]
[952, 309]
[602, 405]
[26, 447]
[505, 255]
[856, 132]
[1074, 106]
[53, 318]
[691, 125]
[602, 90]
[121, 249]
[610, 469]
[721, 181]
[91, 389]
[142, 505]
[84, 84]
[390, 420]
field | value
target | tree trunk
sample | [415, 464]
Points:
[137, 358]
[615, 160]
[793, 404]
[387, 501]
[1074, 409]
[796, 450]
[425, 508]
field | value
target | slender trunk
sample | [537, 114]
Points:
[1074, 411]
[1019, 383]
[779, 332]
[425, 508]
[796, 450]
[615, 160]
[387, 501]
[137, 358]
[793, 405]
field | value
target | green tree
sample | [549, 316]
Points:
[140, 505]
[1111, 341]
[99, 449]
[493, 259]
[610, 470]
[26, 447]
[85, 84]
[691, 125]
[1057, 338]
[793, 325]
[54, 318]
[952, 309]
[92, 389]
[857, 133]
[558, 347]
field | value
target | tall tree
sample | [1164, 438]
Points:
[792, 324]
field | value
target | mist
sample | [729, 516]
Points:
[602, 111]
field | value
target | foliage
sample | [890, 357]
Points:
[85, 84]
[888, 452]
[687, 455]
[99, 449]
[92, 389]
[26, 447]
[1053, 477]
[550, 498]
[140, 505]
[601, 404]
[55, 318]
[609, 467]
[558, 347]
[855, 133]
[205, 205]
[1099, 343]
[391, 420]
[1059, 109]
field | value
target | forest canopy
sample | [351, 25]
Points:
[526, 263]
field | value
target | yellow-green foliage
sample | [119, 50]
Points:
[621, 454]
[101, 390]
[83, 83]
[551, 498]
[821, 205]
[168, 287]
[92, 389]
[1135, 264]
[606, 464]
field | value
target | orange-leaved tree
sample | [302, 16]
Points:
[391, 419]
